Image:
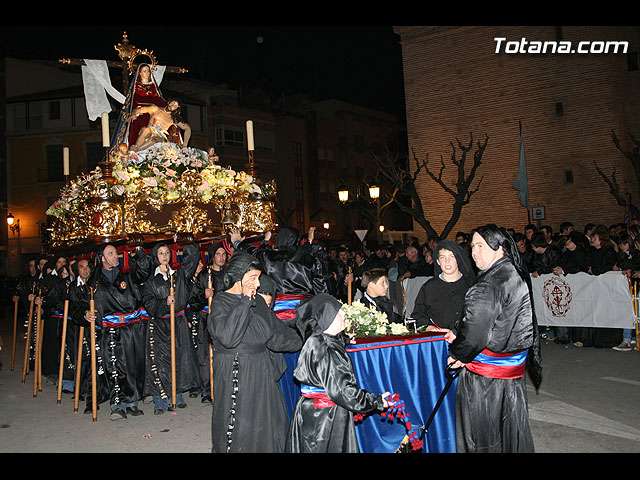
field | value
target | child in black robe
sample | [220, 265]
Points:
[322, 421]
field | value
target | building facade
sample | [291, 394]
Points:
[489, 80]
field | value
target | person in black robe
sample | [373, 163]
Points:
[157, 301]
[79, 296]
[291, 264]
[322, 421]
[249, 410]
[440, 301]
[217, 257]
[118, 305]
[498, 324]
[25, 295]
[54, 293]
[81, 270]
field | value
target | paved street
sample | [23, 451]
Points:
[588, 402]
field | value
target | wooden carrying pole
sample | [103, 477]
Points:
[62, 348]
[172, 310]
[634, 296]
[25, 367]
[15, 332]
[76, 394]
[94, 400]
[349, 287]
[37, 371]
[210, 285]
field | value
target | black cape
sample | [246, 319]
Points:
[158, 333]
[121, 349]
[325, 364]
[249, 410]
[491, 414]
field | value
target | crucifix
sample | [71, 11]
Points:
[127, 54]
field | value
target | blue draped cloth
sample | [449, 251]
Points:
[412, 367]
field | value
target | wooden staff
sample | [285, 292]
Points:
[63, 344]
[634, 295]
[25, 367]
[37, 370]
[94, 399]
[76, 394]
[210, 285]
[349, 287]
[172, 310]
[15, 331]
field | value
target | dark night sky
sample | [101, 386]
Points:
[355, 63]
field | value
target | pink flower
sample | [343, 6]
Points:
[150, 181]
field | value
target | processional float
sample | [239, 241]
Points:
[137, 197]
[153, 194]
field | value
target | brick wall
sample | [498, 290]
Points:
[457, 85]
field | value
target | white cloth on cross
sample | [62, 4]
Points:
[97, 83]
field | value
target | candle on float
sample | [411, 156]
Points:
[105, 129]
[65, 161]
[250, 135]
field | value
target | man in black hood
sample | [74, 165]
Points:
[440, 301]
[118, 309]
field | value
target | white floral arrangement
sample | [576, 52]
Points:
[366, 321]
[160, 169]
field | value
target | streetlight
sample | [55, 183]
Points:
[374, 193]
[343, 193]
[13, 223]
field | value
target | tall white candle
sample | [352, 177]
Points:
[65, 160]
[250, 135]
[105, 130]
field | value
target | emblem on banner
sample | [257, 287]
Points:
[557, 296]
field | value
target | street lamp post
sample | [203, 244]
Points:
[374, 195]
[14, 225]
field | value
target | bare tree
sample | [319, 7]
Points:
[404, 182]
[619, 193]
